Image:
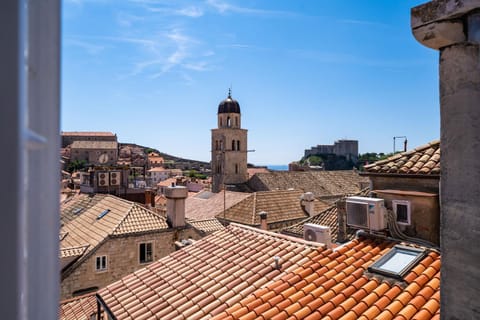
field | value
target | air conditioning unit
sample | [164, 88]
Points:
[366, 213]
[317, 233]
[103, 179]
[115, 178]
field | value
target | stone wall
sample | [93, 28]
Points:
[122, 259]
[405, 183]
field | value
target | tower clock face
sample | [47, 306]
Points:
[103, 158]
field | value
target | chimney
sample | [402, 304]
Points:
[148, 197]
[342, 220]
[176, 205]
[263, 220]
[307, 200]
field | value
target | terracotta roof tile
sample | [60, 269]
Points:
[78, 308]
[342, 289]
[213, 274]
[206, 226]
[423, 160]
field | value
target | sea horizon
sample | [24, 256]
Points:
[278, 167]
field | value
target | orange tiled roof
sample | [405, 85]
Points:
[424, 160]
[321, 183]
[280, 205]
[207, 277]
[78, 308]
[206, 204]
[85, 229]
[334, 285]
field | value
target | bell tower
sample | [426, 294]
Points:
[229, 146]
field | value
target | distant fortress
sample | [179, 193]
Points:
[346, 148]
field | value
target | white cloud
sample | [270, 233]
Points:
[224, 7]
[90, 48]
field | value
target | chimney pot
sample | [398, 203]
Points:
[263, 220]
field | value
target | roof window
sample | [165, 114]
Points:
[397, 262]
[104, 212]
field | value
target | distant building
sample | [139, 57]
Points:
[155, 160]
[346, 148]
[69, 137]
[95, 152]
[229, 146]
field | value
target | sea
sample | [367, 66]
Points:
[278, 167]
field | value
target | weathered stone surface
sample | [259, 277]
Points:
[438, 10]
[438, 35]
[460, 191]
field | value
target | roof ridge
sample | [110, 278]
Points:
[272, 234]
[123, 219]
[254, 207]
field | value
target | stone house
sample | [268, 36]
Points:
[409, 183]
[95, 152]
[68, 137]
[103, 238]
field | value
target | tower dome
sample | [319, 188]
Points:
[229, 105]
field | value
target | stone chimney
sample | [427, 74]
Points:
[342, 220]
[176, 205]
[149, 198]
[307, 200]
[263, 220]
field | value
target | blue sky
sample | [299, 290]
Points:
[304, 73]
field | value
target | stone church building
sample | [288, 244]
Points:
[229, 146]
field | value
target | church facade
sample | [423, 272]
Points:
[229, 146]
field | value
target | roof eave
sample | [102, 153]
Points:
[400, 175]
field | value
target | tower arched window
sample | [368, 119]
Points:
[229, 122]
[233, 145]
[236, 121]
[238, 145]
[221, 124]
[236, 168]
[216, 144]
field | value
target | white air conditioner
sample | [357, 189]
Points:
[115, 178]
[317, 233]
[103, 179]
[366, 213]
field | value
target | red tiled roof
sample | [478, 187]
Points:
[207, 277]
[424, 160]
[78, 308]
[333, 284]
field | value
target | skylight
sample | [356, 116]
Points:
[398, 261]
[104, 212]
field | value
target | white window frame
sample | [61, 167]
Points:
[139, 252]
[406, 203]
[102, 267]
